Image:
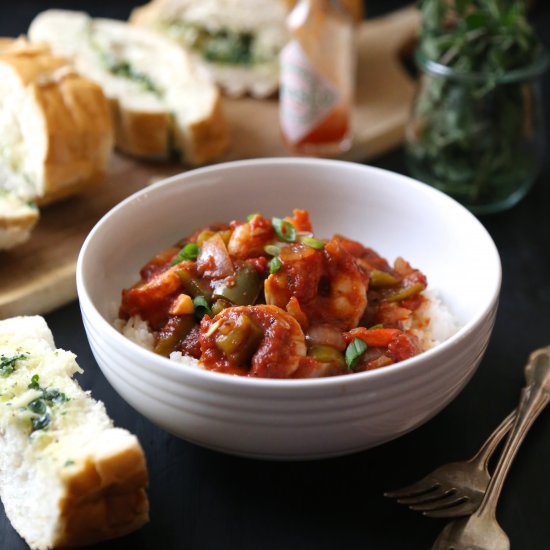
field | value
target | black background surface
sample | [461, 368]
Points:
[205, 500]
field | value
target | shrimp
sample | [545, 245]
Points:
[300, 220]
[260, 340]
[151, 298]
[299, 278]
[346, 299]
[365, 257]
[328, 284]
[248, 239]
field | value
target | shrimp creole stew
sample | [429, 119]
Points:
[267, 298]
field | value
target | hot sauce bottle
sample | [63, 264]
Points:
[317, 79]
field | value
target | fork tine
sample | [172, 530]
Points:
[448, 499]
[435, 495]
[418, 488]
[466, 508]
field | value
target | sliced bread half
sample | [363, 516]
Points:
[68, 477]
[55, 127]
[237, 41]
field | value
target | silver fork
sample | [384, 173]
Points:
[481, 530]
[454, 489]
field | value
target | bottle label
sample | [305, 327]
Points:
[306, 96]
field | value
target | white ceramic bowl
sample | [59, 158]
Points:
[294, 419]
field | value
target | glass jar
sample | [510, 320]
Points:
[477, 138]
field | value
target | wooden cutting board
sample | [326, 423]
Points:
[39, 276]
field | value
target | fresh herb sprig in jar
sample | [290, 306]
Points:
[476, 131]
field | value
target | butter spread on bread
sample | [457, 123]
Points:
[237, 41]
[162, 102]
[67, 476]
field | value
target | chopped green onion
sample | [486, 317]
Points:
[54, 397]
[7, 364]
[41, 405]
[272, 250]
[201, 307]
[284, 230]
[34, 383]
[354, 351]
[250, 216]
[374, 327]
[41, 422]
[313, 243]
[275, 265]
[189, 252]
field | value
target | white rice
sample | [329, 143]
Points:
[137, 330]
[436, 323]
[178, 357]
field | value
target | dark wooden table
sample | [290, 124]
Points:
[205, 500]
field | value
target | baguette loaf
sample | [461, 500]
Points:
[237, 41]
[55, 127]
[161, 101]
[67, 476]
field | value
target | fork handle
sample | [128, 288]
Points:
[534, 397]
[482, 457]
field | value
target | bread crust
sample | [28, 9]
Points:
[80, 136]
[105, 499]
[207, 139]
[74, 119]
[141, 134]
[156, 135]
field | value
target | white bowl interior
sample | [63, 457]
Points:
[392, 214]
